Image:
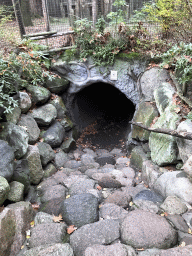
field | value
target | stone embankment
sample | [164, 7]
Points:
[89, 203]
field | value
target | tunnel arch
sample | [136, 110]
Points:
[105, 106]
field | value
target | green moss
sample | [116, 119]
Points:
[129, 56]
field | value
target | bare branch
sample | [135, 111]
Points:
[182, 134]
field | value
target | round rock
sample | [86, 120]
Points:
[142, 229]
[80, 209]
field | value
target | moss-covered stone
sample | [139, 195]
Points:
[57, 85]
[58, 103]
[163, 147]
[138, 156]
[16, 191]
[40, 95]
[7, 231]
[4, 189]
[144, 114]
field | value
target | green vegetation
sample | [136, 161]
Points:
[28, 67]
[104, 43]
[175, 17]
[179, 57]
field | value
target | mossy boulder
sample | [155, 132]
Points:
[163, 147]
[144, 114]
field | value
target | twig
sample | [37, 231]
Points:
[181, 134]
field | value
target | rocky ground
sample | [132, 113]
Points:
[97, 205]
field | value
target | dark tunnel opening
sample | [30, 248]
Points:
[102, 114]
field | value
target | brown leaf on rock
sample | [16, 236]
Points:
[35, 206]
[57, 218]
[71, 229]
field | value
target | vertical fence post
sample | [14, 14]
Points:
[94, 11]
[71, 13]
[46, 14]
[19, 17]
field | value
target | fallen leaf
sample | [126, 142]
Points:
[32, 223]
[182, 244]
[28, 233]
[35, 206]
[177, 110]
[131, 203]
[189, 231]
[67, 196]
[71, 229]
[57, 218]
[22, 247]
[127, 164]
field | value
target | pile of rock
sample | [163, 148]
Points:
[114, 205]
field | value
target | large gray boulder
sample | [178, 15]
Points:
[150, 173]
[53, 192]
[31, 126]
[40, 95]
[48, 233]
[4, 189]
[103, 232]
[112, 211]
[24, 214]
[50, 250]
[16, 192]
[144, 114]
[109, 250]
[164, 147]
[184, 251]
[6, 160]
[60, 106]
[60, 159]
[45, 114]
[174, 184]
[17, 138]
[46, 153]
[14, 116]
[57, 85]
[187, 167]
[81, 187]
[54, 135]
[24, 102]
[34, 163]
[7, 231]
[143, 229]
[21, 174]
[174, 205]
[163, 96]
[80, 210]
[150, 80]
[184, 146]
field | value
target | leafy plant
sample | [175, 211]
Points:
[102, 46]
[118, 16]
[179, 57]
[19, 70]
[174, 16]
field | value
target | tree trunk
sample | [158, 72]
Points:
[26, 13]
[46, 14]
[71, 13]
